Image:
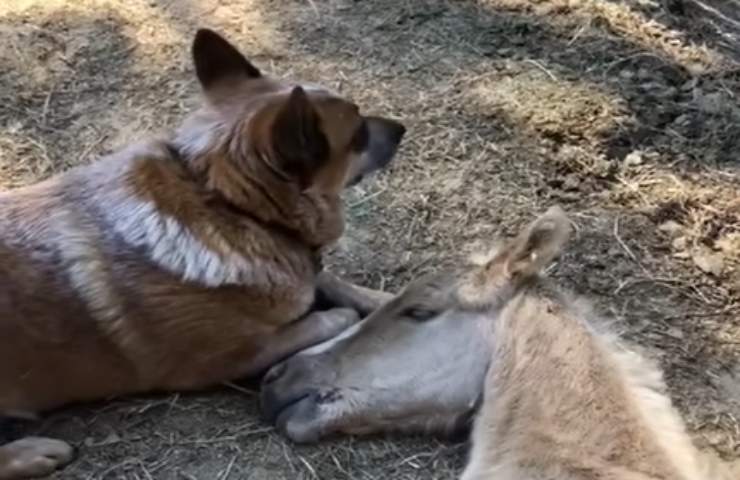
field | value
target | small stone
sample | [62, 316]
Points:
[633, 159]
[680, 243]
[675, 333]
[708, 261]
[648, 86]
[683, 119]
[690, 84]
[711, 103]
[671, 227]
[604, 168]
[734, 283]
[669, 92]
[571, 183]
[111, 439]
[730, 244]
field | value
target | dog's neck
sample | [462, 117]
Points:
[251, 189]
[234, 175]
[160, 205]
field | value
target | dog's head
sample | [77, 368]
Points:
[280, 134]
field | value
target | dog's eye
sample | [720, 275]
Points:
[360, 138]
[419, 314]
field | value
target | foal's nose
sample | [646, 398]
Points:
[285, 384]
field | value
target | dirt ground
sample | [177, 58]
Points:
[626, 113]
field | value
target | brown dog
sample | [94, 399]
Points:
[179, 263]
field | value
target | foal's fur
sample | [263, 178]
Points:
[563, 399]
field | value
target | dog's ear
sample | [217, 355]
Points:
[216, 60]
[298, 141]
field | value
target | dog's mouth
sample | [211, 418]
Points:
[355, 180]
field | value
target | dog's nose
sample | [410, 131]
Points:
[397, 131]
[274, 373]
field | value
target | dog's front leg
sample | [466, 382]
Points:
[33, 457]
[333, 292]
[314, 328]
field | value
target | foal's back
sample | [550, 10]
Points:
[565, 403]
[564, 400]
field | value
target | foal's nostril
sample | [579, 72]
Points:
[274, 402]
[274, 373]
[328, 396]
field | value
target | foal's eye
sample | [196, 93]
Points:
[419, 314]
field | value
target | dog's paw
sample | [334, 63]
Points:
[33, 457]
[331, 323]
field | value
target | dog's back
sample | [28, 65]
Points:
[56, 265]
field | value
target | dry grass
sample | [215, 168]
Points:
[624, 112]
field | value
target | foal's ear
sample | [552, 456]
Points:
[538, 245]
[218, 61]
[524, 256]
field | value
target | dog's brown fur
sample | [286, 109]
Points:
[178, 263]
